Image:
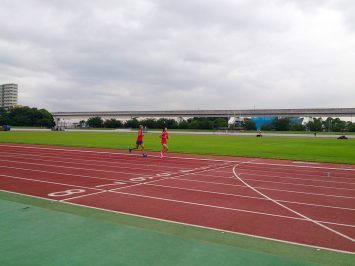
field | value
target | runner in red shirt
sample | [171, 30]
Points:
[139, 142]
[164, 138]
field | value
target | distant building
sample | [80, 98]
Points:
[8, 95]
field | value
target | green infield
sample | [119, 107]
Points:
[40, 232]
[295, 148]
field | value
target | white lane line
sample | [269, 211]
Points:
[251, 175]
[112, 184]
[61, 173]
[302, 166]
[293, 184]
[170, 177]
[181, 223]
[236, 160]
[301, 173]
[273, 189]
[225, 208]
[117, 163]
[291, 210]
[251, 197]
[114, 153]
[27, 195]
[186, 171]
[85, 195]
[205, 205]
[48, 182]
[210, 228]
[300, 162]
[183, 158]
[71, 167]
[298, 178]
[277, 182]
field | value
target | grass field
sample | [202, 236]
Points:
[304, 149]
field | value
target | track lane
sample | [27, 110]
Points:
[278, 228]
[224, 208]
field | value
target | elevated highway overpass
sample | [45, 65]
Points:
[125, 115]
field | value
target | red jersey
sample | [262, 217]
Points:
[164, 137]
[140, 135]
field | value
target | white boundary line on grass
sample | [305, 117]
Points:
[289, 209]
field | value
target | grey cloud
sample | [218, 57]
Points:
[115, 55]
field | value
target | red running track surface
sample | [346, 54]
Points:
[298, 202]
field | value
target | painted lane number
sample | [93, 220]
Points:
[141, 178]
[66, 192]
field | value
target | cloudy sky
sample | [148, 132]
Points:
[87, 55]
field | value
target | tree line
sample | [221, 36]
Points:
[277, 124]
[191, 123]
[26, 116]
[316, 124]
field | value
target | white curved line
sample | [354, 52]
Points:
[289, 209]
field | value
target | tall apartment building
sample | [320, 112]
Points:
[8, 95]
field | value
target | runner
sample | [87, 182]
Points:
[139, 142]
[164, 137]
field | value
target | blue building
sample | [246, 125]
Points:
[267, 120]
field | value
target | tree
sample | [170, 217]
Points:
[315, 125]
[351, 127]
[327, 124]
[96, 122]
[297, 127]
[132, 123]
[248, 124]
[149, 123]
[169, 123]
[113, 123]
[266, 127]
[338, 125]
[26, 116]
[82, 123]
[281, 124]
[43, 118]
[183, 124]
[4, 117]
[220, 122]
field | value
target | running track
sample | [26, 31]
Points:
[303, 203]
